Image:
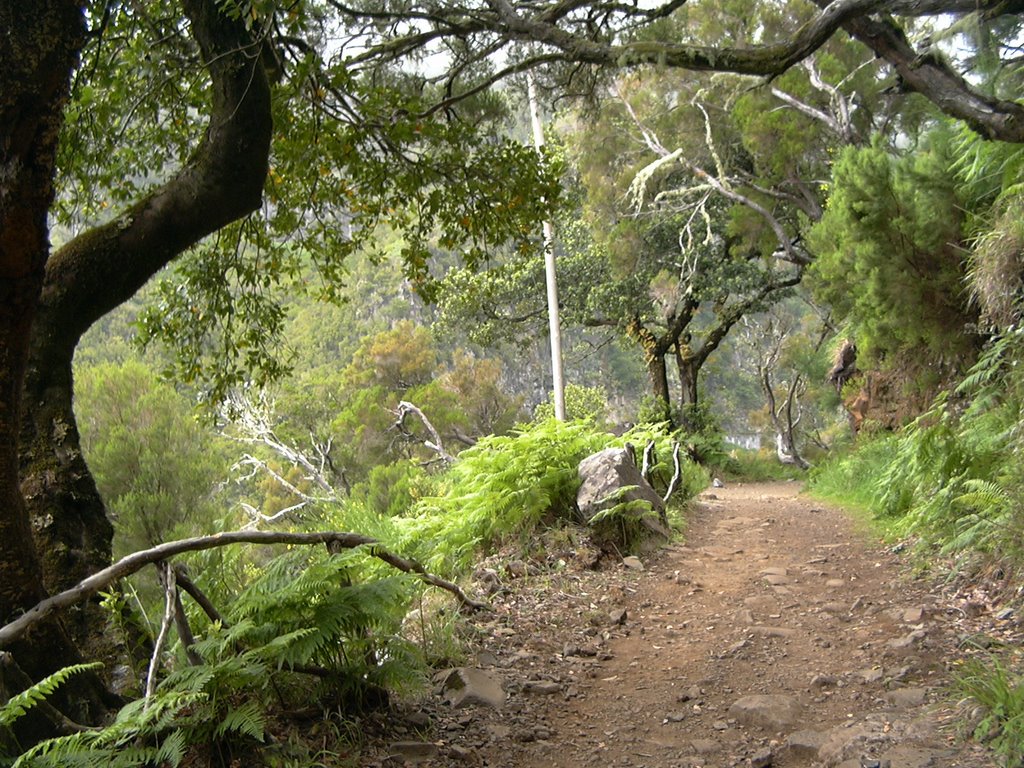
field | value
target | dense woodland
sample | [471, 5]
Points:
[277, 270]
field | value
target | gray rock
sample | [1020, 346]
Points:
[413, 751]
[772, 712]
[913, 615]
[907, 756]
[762, 758]
[611, 477]
[704, 746]
[547, 687]
[805, 743]
[633, 562]
[618, 616]
[468, 685]
[904, 698]
[871, 674]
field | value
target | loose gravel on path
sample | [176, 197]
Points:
[776, 634]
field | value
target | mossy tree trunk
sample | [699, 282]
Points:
[104, 267]
[48, 500]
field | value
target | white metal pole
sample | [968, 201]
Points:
[554, 328]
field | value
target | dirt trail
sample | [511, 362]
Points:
[772, 595]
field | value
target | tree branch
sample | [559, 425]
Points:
[138, 560]
[435, 444]
[931, 76]
[222, 182]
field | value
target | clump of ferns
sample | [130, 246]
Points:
[307, 617]
[955, 477]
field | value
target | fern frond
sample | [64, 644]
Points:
[247, 720]
[20, 703]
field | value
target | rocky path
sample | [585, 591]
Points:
[777, 635]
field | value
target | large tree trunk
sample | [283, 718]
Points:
[104, 267]
[38, 50]
[46, 304]
[689, 371]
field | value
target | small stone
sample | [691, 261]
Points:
[716, 483]
[517, 569]
[546, 687]
[871, 674]
[675, 717]
[633, 563]
[744, 616]
[413, 751]
[835, 583]
[761, 759]
[618, 616]
[903, 698]
[775, 571]
[570, 649]
[771, 712]
[467, 685]
[720, 725]
[777, 580]
[805, 743]
[824, 681]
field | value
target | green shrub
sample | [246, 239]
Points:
[999, 692]
[581, 404]
[852, 478]
[506, 486]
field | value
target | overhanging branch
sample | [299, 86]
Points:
[134, 562]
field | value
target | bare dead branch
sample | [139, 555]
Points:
[435, 444]
[677, 472]
[137, 560]
[645, 470]
[161, 638]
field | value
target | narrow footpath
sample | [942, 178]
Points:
[778, 635]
